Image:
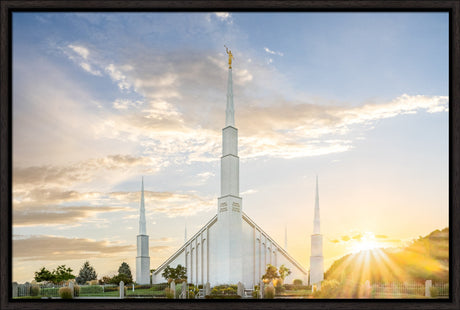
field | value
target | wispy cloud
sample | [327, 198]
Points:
[55, 248]
[266, 49]
[224, 16]
[58, 215]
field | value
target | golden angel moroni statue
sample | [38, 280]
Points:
[230, 57]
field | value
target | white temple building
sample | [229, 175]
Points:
[230, 247]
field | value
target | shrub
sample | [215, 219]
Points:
[65, 293]
[224, 290]
[434, 292]
[269, 292]
[76, 291]
[297, 282]
[35, 290]
[169, 294]
[255, 293]
[329, 289]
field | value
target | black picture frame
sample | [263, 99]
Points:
[10, 6]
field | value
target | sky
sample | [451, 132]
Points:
[101, 100]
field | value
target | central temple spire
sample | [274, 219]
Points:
[229, 204]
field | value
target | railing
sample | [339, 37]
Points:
[409, 290]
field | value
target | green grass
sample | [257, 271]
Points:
[145, 292]
[305, 293]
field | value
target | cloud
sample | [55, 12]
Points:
[80, 55]
[80, 50]
[57, 215]
[345, 238]
[266, 49]
[55, 248]
[84, 171]
[381, 236]
[168, 203]
[124, 104]
[117, 76]
[161, 248]
[224, 16]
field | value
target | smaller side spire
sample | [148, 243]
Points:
[142, 228]
[316, 222]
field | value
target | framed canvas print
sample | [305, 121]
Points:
[191, 155]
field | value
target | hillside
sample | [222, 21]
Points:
[426, 258]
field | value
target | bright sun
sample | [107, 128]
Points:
[367, 241]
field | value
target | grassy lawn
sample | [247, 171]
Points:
[305, 293]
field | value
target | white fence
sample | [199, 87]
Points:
[409, 289]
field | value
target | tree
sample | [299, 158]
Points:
[44, 275]
[126, 271]
[87, 273]
[62, 274]
[175, 274]
[270, 274]
[284, 272]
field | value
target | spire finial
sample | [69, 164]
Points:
[230, 57]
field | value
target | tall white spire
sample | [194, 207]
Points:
[142, 227]
[316, 221]
[229, 204]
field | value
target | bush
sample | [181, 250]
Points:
[329, 289]
[92, 289]
[34, 290]
[65, 293]
[169, 294]
[297, 282]
[76, 291]
[434, 292]
[224, 290]
[269, 292]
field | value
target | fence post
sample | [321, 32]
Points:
[15, 289]
[172, 287]
[240, 290]
[428, 284]
[208, 289]
[184, 290]
[71, 288]
[261, 289]
[122, 290]
[133, 287]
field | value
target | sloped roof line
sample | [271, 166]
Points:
[280, 249]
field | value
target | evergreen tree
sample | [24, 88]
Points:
[87, 273]
[125, 270]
